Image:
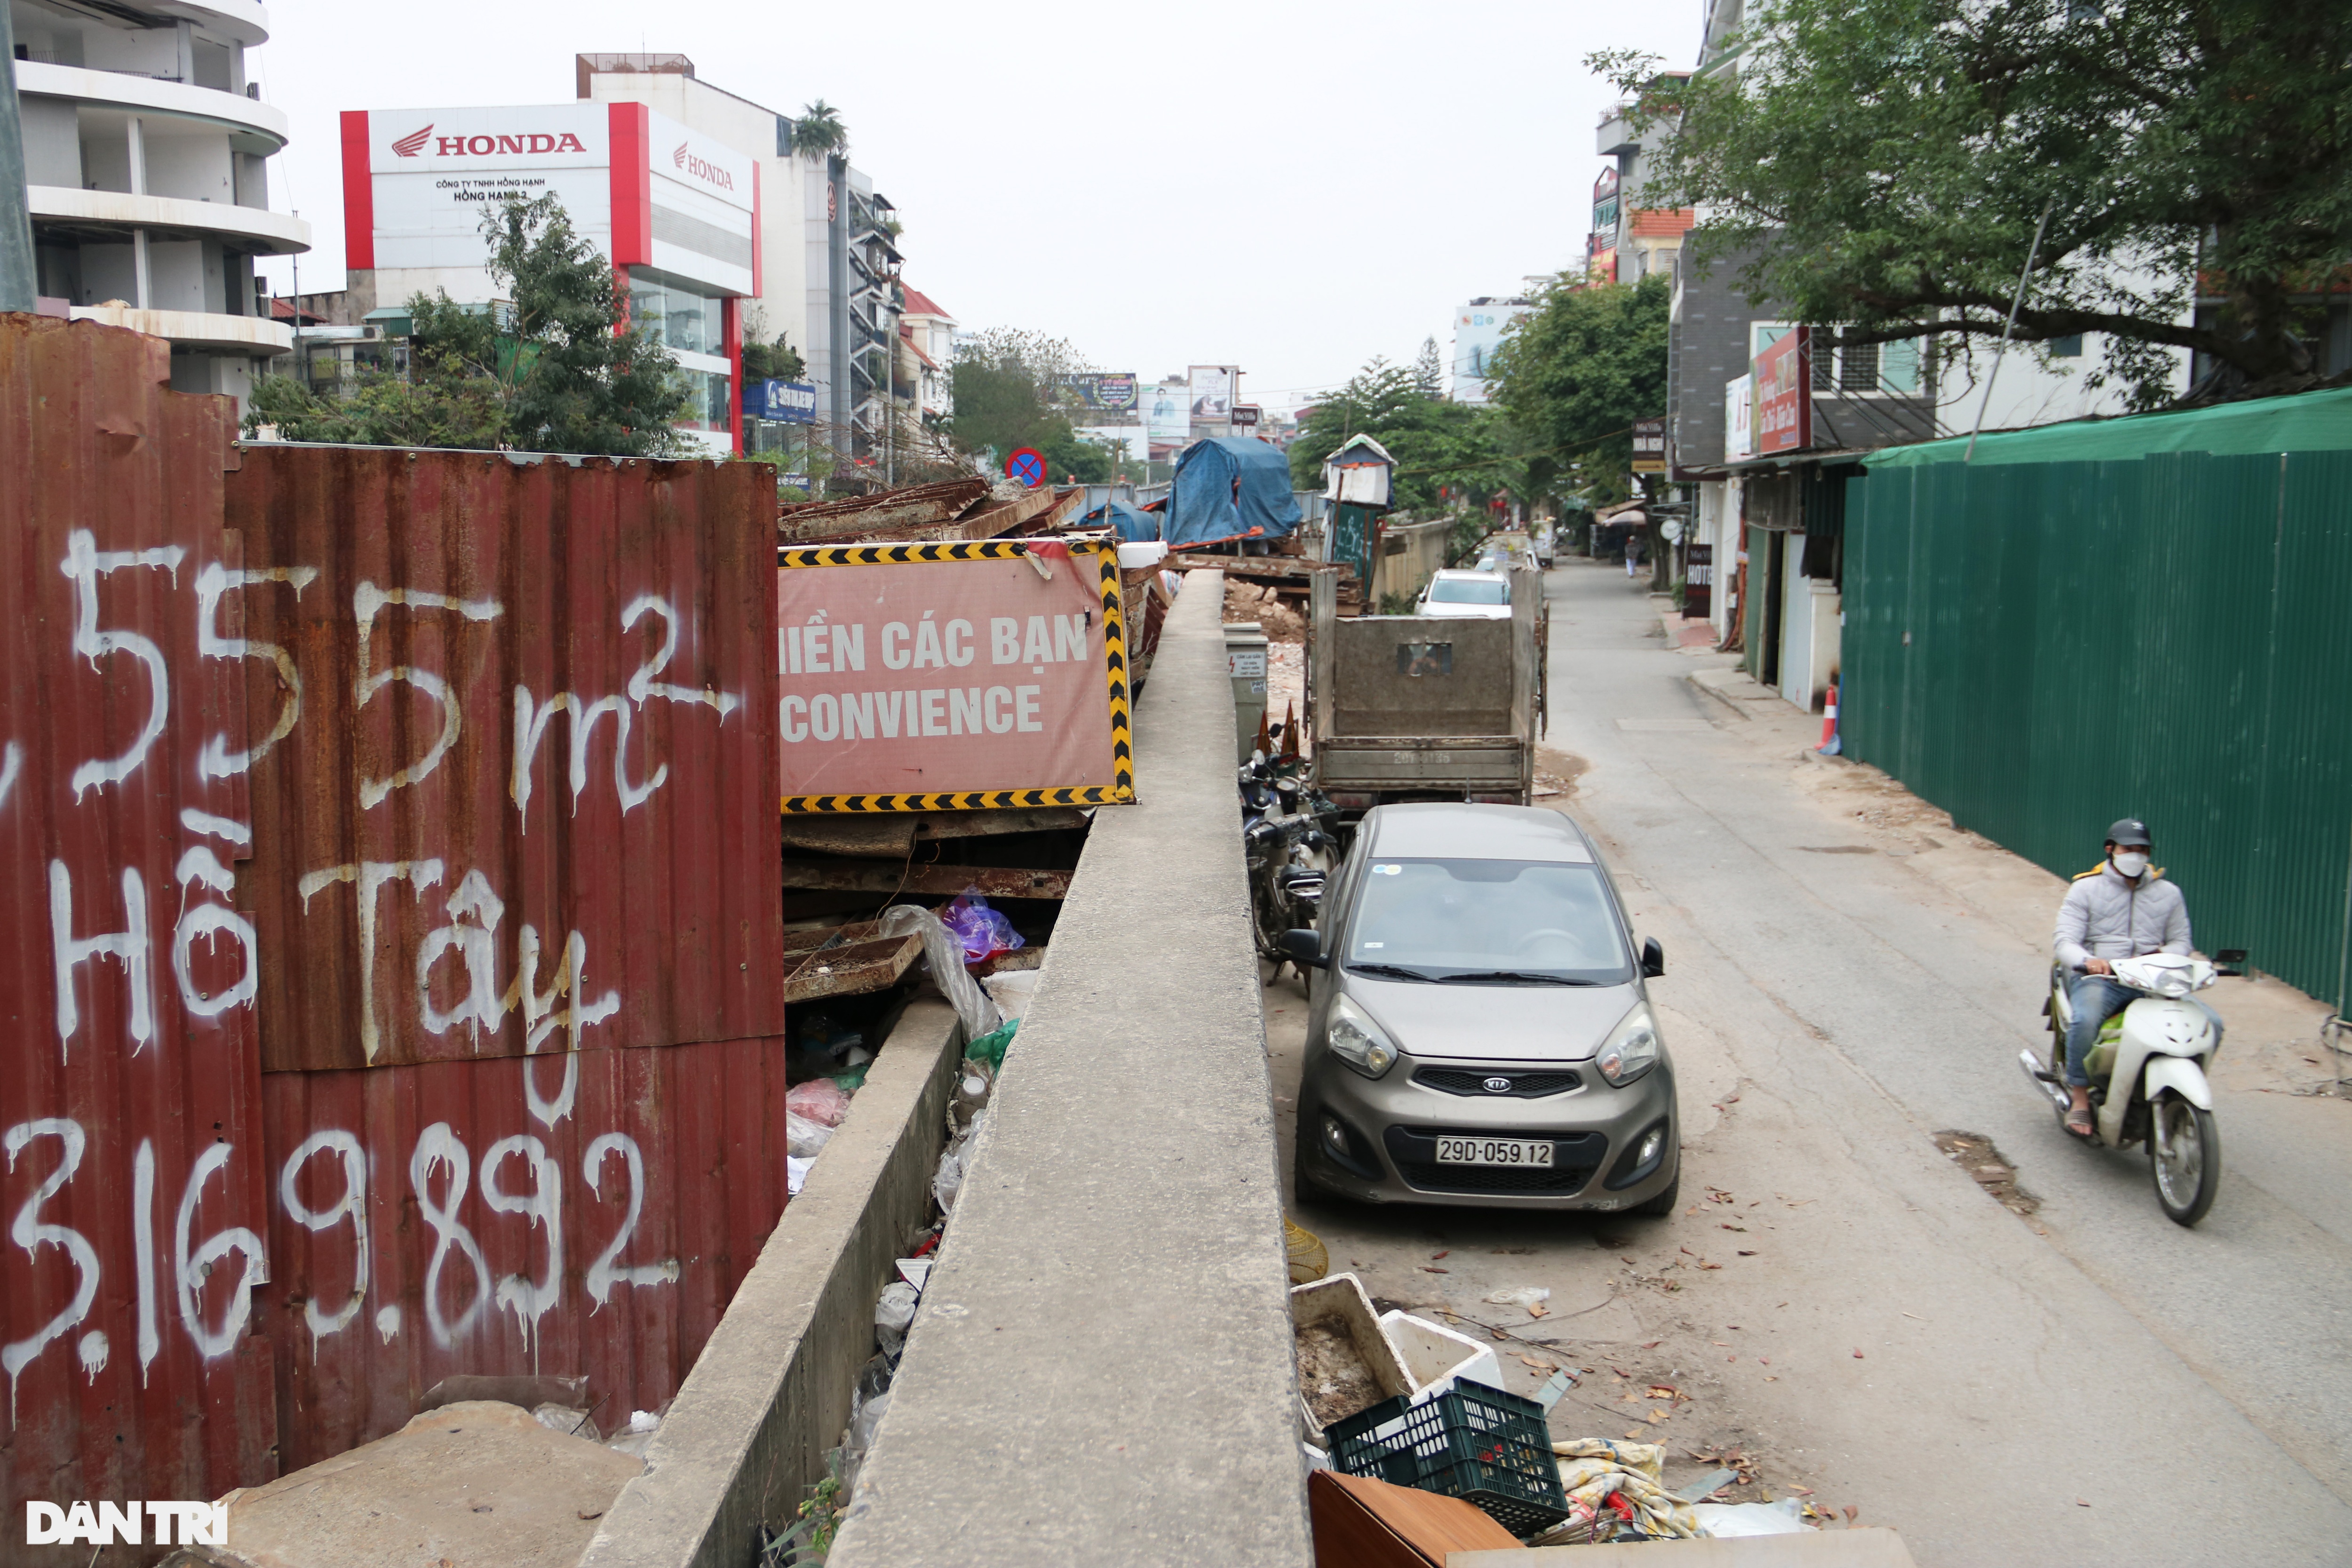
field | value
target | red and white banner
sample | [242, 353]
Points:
[921, 677]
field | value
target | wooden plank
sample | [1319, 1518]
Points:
[892, 877]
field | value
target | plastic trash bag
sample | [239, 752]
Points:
[819, 1099]
[795, 1175]
[989, 1047]
[1012, 989]
[1732, 1519]
[894, 1314]
[982, 931]
[956, 1164]
[803, 1137]
[1523, 1298]
[945, 955]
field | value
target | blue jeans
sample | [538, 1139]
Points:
[2097, 998]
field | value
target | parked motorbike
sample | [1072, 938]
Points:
[2148, 1077]
[1289, 844]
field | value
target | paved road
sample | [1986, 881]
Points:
[1847, 976]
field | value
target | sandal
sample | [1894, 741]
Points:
[2079, 1123]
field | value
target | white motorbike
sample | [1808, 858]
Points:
[2148, 1077]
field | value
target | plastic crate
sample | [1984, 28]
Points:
[1473, 1442]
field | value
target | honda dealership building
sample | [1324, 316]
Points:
[677, 213]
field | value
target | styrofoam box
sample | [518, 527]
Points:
[1434, 1355]
[1342, 1297]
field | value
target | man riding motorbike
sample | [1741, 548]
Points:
[2121, 907]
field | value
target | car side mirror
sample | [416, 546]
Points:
[1653, 959]
[1303, 948]
[2230, 961]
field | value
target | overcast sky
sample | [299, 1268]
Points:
[1285, 186]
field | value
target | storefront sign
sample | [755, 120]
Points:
[785, 402]
[1739, 419]
[1649, 445]
[953, 677]
[1784, 395]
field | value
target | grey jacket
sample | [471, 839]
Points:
[2104, 916]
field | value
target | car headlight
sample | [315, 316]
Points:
[1631, 1049]
[1355, 1039]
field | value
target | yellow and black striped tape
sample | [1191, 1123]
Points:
[1120, 792]
[901, 554]
[960, 800]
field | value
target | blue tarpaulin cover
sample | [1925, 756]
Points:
[1230, 487]
[1133, 524]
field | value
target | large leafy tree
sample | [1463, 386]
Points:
[1004, 383]
[558, 369]
[1438, 445]
[1887, 162]
[1574, 373]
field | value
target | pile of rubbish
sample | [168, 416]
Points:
[828, 1059]
[1416, 1406]
[998, 1002]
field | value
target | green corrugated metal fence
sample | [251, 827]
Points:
[2041, 648]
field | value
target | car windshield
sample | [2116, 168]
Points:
[1469, 591]
[1446, 920]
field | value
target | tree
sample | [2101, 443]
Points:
[1575, 372]
[1437, 445]
[766, 360]
[819, 133]
[440, 403]
[1428, 373]
[1004, 382]
[1888, 162]
[558, 368]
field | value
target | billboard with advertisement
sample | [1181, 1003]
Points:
[1739, 419]
[1165, 414]
[1784, 395]
[1100, 389]
[1213, 392]
[785, 402]
[951, 677]
[1478, 329]
[1605, 205]
[641, 187]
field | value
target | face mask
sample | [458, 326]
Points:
[2128, 862]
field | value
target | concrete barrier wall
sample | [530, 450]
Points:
[769, 1393]
[1101, 1370]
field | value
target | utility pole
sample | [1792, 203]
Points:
[19, 289]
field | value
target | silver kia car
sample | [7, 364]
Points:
[1480, 1030]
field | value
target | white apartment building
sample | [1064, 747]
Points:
[146, 172]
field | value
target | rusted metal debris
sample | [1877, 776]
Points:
[897, 833]
[952, 510]
[886, 877]
[853, 516]
[844, 960]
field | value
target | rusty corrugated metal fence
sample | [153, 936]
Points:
[396, 976]
[2042, 648]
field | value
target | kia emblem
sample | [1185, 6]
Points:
[1499, 1086]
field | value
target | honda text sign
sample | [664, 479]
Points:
[953, 677]
[1784, 395]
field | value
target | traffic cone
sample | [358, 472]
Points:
[1290, 734]
[1829, 746]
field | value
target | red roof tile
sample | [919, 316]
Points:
[921, 304]
[1656, 224]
